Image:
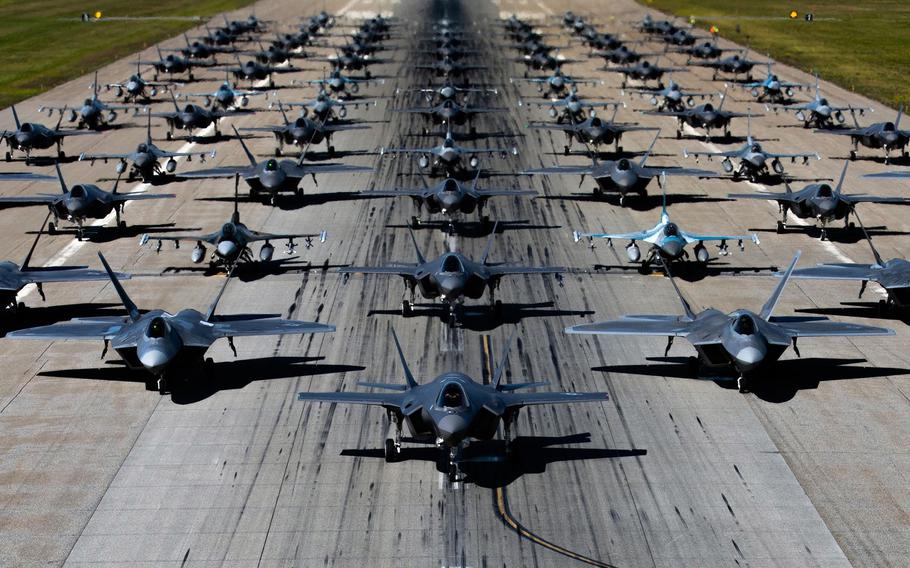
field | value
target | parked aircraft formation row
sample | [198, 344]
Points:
[453, 408]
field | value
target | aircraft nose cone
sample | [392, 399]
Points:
[227, 249]
[132, 86]
[452, 427]
[449, 202]
[156, 357]
[75, 206]
[750, 356]
[672, 248]
[823, 110]
[272, 180]
[774, 86]
[890, 138]
[758, 160]
[451, 287]
[826, 207]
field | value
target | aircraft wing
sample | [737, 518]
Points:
[400, 270]
[694, 238]
[384, 150]
[272, 129]
[636, 236]
[265, 326]
[846, 271]
[666, 113]
[64, 274]
[552, 126]
[83, 156]
[676, 326]
[559, 170]
[847, 132]
[698, 154]
[779, 197]
[502, 192]
[222, 172]
[210, 238]
[386, 399]
[862, 198]
[732, 114]
[22, 200]
[257, 236]
[506, 270]
[340, 127]
[518, 399]
[826, 328]
[422, 193]
[305, 169]
[804, 155]
[117, 197]
[71, 330]
[674, 171]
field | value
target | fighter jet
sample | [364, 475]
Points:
[546, 62]
[15, 277]
[704, 50]
[752, 159]
[667, 240]
[450, 197]
[450, 112]
[275, 54]
[303, 132]
[742, 341]
[735, 65]
[819, 201]
[351, 62]
[448, 91]
[573, 108]
[452, 409]
[622, 55]
[651, 26]
[227, 96]
[136, 89]
[30, 136]
[341, 85]
[772, 89]
[232, 242]
[624, 176]
[272, 176]
[594, 131]
[819, 112]
[94, 114]
[643, 71]
[703, 116]
[446, 67]
[322, 108]
[175, 65]
[192, 117]
[81, 203]
[448, 156]
[892, 275]
[170, 347]
[451, 277]
[672, 97]
[201, 50]
[886, 135]
[558, 84]
[253, 71]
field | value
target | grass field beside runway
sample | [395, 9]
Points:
[44, 43]
[861, 46]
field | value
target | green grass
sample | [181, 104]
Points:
[863, 47]
[43, 43]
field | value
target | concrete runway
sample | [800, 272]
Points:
[808, 471]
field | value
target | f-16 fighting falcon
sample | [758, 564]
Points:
[196, 49]
[450, 112]
[453, 408]
[271, 176]
[643, 71]
[672, 97]
[447, 157]
[227, 96]
[146, 159]
[81, 203]
[341, 85]
[704, 116]
[742, 341]
[622, 55]
[450, 197]
[819, 112]
[303, 132]
[886, 135]
[752, 159]
[772, 89]
[192, 117]
[558, 84]
[232, 242]
[449, 91]
[819, 201]
[624, 176]
[735, 65]
[594, 131]
[170, 347]
[667, 240]
[172, 64]
[138, 90]
[94, 114]
[31, 136]
[703, 50]
[14, 277]
[252, 71]
[573, 108]
[451, 277]
[323, 107]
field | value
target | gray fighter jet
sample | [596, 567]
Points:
[271, 176]
[735, 65]
[446, 67]
[253, 71]
[232, 241]
[146, 160]
[303, 132]
[704, 116]
[14, 277]
[453, 408]
[772, 88]
[624, 176]
[672, 97]
[341, 85]
[227, 96]
[94, 114]
[570, 109]
[448, 91]
[622, 55]
[451, 277]
[819, 201]
[138, 90]
[593, 131]
[752, 159]
[169, 346]
[558, 84]
[704, 50]
[892, 275]
[447, 157]
[450, 197]
[643, 71]
[667, 241]
[323, 107]
[450, 112]
[886, 135]
[30, 136]
[172, 64]
[192, 117]
[742, 341]
[819, 112]
[81, 203]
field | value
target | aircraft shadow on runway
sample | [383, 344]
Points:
[288, 202]
[896, 159]
[784, 379]
[486, 464]
[106, 234]
[691, 271]
[635, 202]
[481, 317]
[836, 234]
[609, 154]
[46, 315]
[252, 271]
[228, 375]
[862, 310]
[476, 229]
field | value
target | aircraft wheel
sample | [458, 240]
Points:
[122, 224]
[678, 134]
[742, 384]
[51, 228]
[852, 154]
[497, 308]
[415, 222]
[851, 225]
[150, 385]
[20, 306]
[208, 367]
[485, 221]
[452, 321]
[692, 363]
[392, 453]
[162, 386]
[169, 136]
[331, 151]
[473, 130]
[278, 151]
[565, 150]
[61, 154]
[453, 473]
[9, 157]
[406, 308]
[780, 227]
